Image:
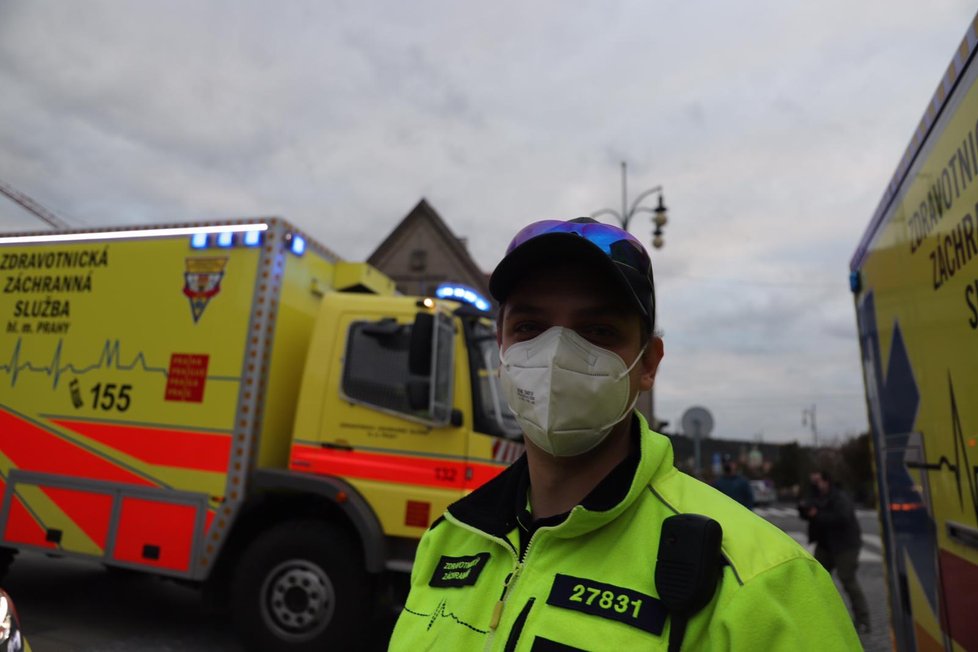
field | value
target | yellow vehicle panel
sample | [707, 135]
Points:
[408, 470]
[138, 378]
[916, 284]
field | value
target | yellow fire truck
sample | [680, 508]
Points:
[232, 405]
[915, 281]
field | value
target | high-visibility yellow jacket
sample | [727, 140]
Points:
[588, 582]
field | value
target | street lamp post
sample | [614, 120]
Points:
[624, 219]
[808, 419]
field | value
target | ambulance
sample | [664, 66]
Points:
[914, 277]
[232, 405]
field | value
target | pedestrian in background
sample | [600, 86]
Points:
[834, 529]
[735, 485]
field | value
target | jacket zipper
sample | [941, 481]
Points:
[510, 581]
[505, 543]
[497, 610]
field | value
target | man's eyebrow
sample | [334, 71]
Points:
[522, 309]
[614, 309]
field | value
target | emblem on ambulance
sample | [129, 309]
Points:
[202, 281]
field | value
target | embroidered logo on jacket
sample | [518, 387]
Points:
[608, 601]
[456, 572]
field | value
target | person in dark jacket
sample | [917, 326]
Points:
[735, 485]
[834, 529]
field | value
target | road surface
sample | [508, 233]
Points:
[73, 606]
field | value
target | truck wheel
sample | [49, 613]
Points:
[300, 586]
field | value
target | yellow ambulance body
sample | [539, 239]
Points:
[232, 404]
[915, 281]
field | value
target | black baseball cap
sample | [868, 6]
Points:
[588, 241]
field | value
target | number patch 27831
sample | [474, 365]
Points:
[620, 602]
[608, 601]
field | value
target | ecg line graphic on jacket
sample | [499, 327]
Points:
[110, 357]
[440, 612]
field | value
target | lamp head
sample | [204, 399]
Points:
[660, 218]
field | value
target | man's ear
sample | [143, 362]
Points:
[650, 363]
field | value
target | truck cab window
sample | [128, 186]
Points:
[378, 369]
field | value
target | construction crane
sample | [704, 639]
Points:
[32, 207]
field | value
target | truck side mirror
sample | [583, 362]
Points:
[422, 345]
[419, 361]
[430, 366]
[418, 393]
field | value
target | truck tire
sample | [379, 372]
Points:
[301, 586]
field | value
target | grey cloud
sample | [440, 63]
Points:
[773, 143]
[695, 113]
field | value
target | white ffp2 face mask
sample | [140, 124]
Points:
[567, 394]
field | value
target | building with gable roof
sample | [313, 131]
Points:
[422, 252]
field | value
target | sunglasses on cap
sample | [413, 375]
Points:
[619, 245]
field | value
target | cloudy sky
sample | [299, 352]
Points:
[773, 127]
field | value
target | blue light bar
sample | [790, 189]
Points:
[252, 238]
[298, 245]
[198, 241]
[225, 239]
[462, 293]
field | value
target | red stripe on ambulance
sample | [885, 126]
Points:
[400, 469]
[91, 512]
[959, 578]
[183, 449]
[32, 448]
[23, 528]
[154, 533]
